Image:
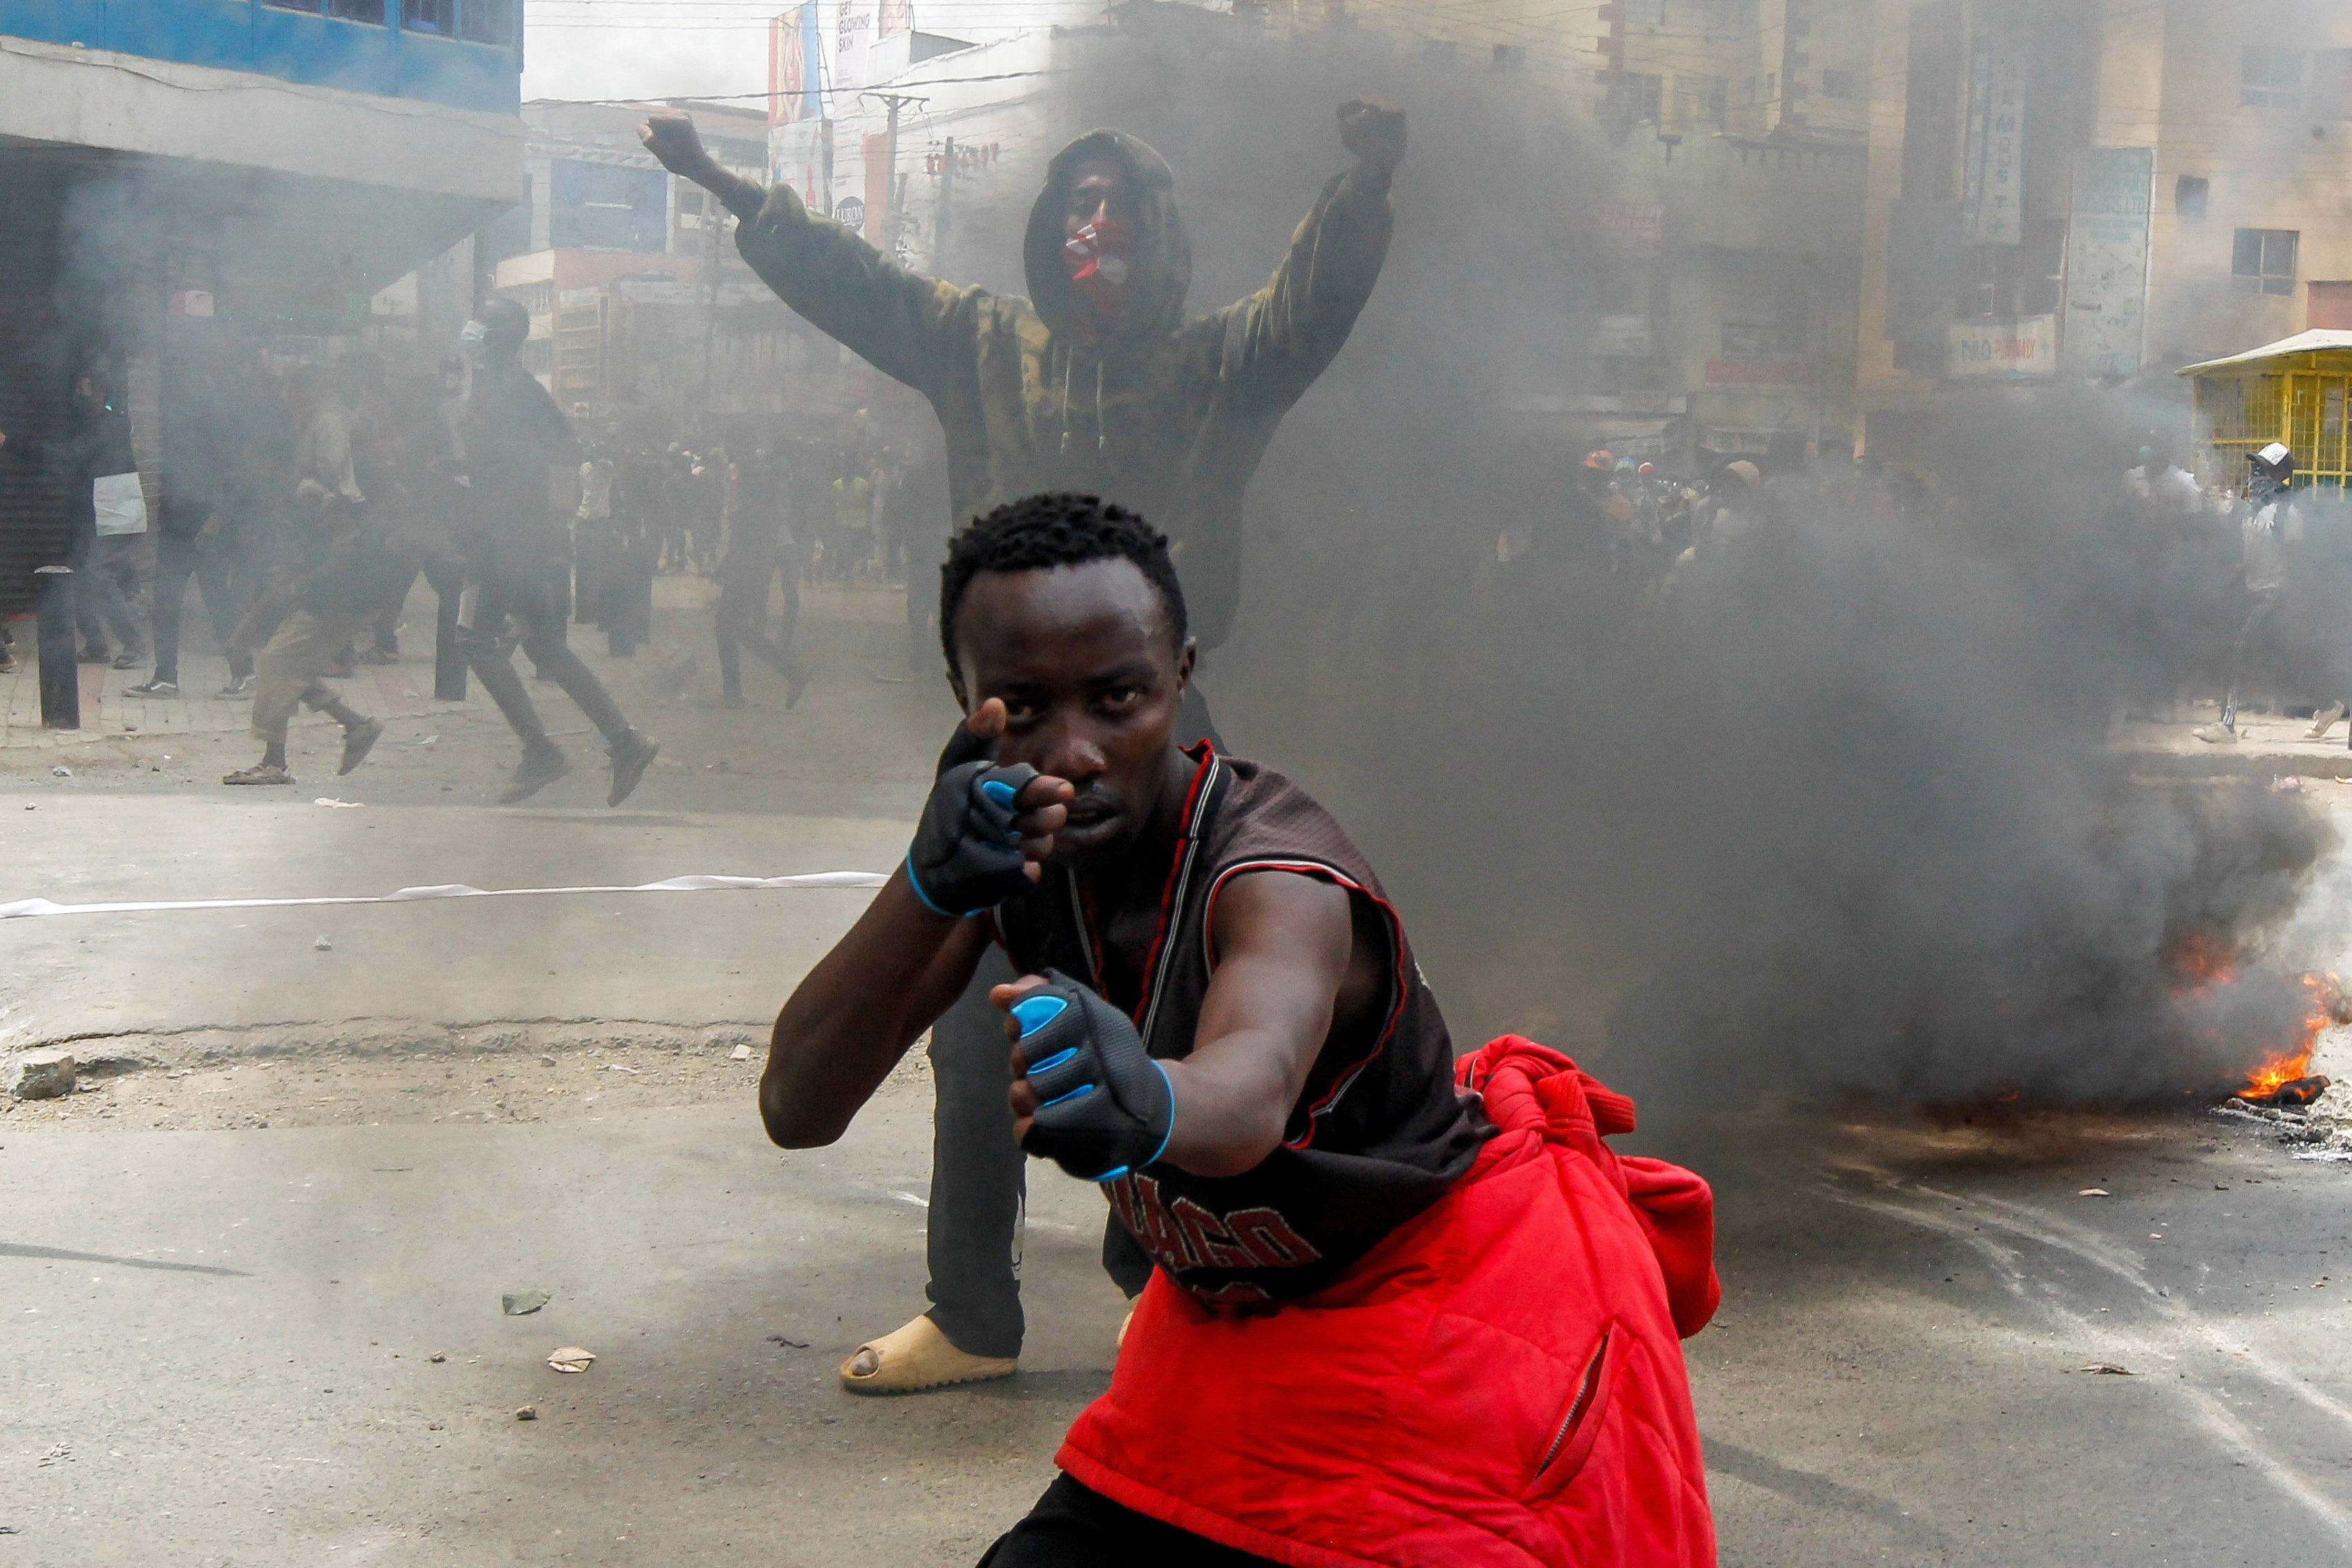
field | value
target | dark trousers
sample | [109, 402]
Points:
[106, 577]
[1073, 1527]
[442, 574]
[212, 563]
[2261, 605]
[739, 620]
[535, 602]
[979, 1173]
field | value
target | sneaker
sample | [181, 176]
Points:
[238, 686]
[381, 656]
[2323, 720]
[7, 661]
[2216, 734]
[633, 753]
[537, 769]
[259, 774]
[731, 700]
[358, 741]
[152, 689]
[128, 660]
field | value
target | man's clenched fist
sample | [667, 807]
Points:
[985, 830]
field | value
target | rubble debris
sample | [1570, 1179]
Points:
[2107, 1369]
[523, 1303]
[323, 944]
[61, 772]
[527, 1413]
[780, 1340]
[338, 804]
[571, 1358]
[437, 1358]
[740, 1053]
[39, 1075]
[2094, 1193]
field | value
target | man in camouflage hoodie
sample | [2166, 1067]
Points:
[1097, 383]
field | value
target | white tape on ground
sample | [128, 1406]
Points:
[23, 907]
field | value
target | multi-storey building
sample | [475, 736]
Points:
[642, 313]
[2097, 189]
[225, 167]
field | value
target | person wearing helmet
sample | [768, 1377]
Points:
[515, 548]
[2268, 522]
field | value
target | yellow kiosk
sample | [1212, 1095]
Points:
[2294, 390]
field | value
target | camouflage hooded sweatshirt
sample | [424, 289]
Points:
[1165, 415]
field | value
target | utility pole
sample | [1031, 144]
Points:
[717, 221]
[889, 226]
[939, 220]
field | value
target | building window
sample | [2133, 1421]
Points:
[1510, 57]
[1701, 101]
[2189, 196]
[311, 5]
[429, 16]
[2263, 261]
[1841, 84]
[1639, 97]
[489, 21]
[2270, 78]
[369, 11]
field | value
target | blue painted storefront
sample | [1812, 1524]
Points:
[422, 49]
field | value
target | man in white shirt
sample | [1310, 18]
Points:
[2269, 524]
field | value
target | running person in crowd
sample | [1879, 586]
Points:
[1096, 383]
[1218, 1018]
[512, 434]
[759, 541]
[344, 558]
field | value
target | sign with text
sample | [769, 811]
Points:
[1992, 205]
[2001, 348]
[2106, 261]
[1636, 230]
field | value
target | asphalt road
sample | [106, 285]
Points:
[218, 1343]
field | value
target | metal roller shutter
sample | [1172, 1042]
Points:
[33, 530]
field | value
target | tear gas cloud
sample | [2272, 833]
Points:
[1838, 812]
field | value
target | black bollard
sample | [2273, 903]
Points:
[448, 660]
[53, 638]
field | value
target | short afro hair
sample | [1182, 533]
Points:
[1039, 532]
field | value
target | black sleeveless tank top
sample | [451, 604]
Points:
[1379, 1134]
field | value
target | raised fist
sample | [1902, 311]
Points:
[669, 135]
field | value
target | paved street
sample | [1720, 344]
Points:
[300, 1175]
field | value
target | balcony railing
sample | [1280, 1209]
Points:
[466, 54]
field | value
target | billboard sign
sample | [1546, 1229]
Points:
[2001, 348]
[2106, 261]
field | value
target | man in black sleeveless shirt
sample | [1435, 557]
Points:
[1218, 1018]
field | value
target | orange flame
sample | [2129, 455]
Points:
[2328, 1005]
[2197, 961]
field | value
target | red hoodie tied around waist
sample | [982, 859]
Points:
[1499, 1385]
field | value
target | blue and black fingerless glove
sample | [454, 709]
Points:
[1104, 1107]
[966, 857]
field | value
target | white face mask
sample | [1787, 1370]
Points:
[472, 333]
